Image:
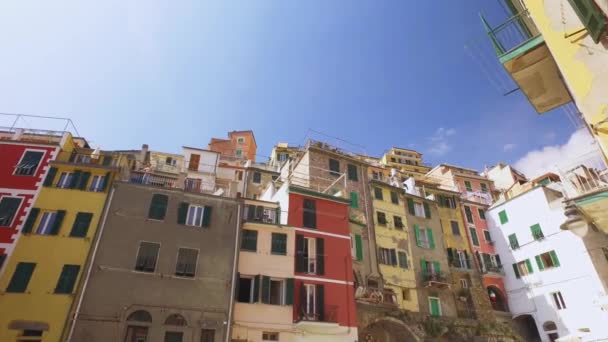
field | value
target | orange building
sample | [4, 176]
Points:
[240, 144]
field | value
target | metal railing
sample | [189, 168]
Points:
[477, 196]
[586, 174]
[373, 295]
[141, 177]
[329, 315]
[439, 277]
[257, 213]
[513, 33]
[498, 269]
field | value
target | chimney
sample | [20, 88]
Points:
[142, 154]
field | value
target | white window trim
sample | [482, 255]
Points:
[311, 249]
[195, 223]
[418, 209]
[48, 223]
[96, 184]
[430, 307]
[157, 256]
[198, 253]
[21, 159]
[16, 212]
[283, 289]
[311, 288]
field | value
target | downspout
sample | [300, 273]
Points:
[90, 267]
[234, 271]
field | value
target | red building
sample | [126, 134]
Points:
[323, 282]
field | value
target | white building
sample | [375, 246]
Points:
[549, 277]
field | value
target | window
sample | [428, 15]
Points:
[195, 216]
[97, 184]
[310, 302]
[29, 163]
[513, 241]
[522, 268]
[67, 279]
[406, 294]
[50, 222]
[403, 262]
[174, 336]
[257, 177]
[353, 175]
[334, 167]
[381, 218]
[358, 247]
[310, 248]
[187, 259]
[468, 214]
[503, 217]
[435, 306]
[387, 256]
[8, 210]
[250, 240]
[81, 225]
[474, 237]
[270, 336]
[65, 180]
[393, 160]
[30, 335]
[274, 177]
[158, 207]
[455, 228]
[240, 140]
[136, 334]
[176, 320]
[239, 175]
[591, 17]
[354, 200]
[376, 175]
[468, 186]
[394, 197]
[2, 259]
[277, 290]
[484, 187]
[247, 289]
[424, 237]
[147, 256]
[482, 214]
[464, 284]
[21, 277]
[558, 300]
[378, 194]
[547, 260]
[537, 233]
[309, 214]
[279, 244]
[486, 236]
[239, 153]
[207, 335]
[419, 209]
[398, 222]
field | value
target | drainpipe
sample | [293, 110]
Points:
[90, 267]
[234, 270]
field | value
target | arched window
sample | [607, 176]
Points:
[549, 326]
[177, 320]
[140, 316]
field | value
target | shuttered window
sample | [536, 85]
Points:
[468, 186]
[592, 17]
[81, 224]
[67, 279]
[249, 240]
[398, 222]
[147, 256]
[403, 263]
[503, 217]
[334, 167]
[455, 228]
[394, 197]
[354, 200]
[21, 277]
[50, 177]
[8, 210]
[474, 237]
[482, 214]
[352, 173]
[158, 207]
[309, 219]
[186, 262]
[378, 194]
[468, 214]
[381, 218]
[513, 241]
[359, 247]
[279, 244]
[537, 233]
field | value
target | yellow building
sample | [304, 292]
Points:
[409, 162]
[49, 260]
[393, 243]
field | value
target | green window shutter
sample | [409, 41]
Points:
[503, 217]
[529, 266]
[402, 260]
[158, 207]
[468, 214]
[256, 288]
[537, 232]
[320, 256]
[482, 214]
[320, 301]
[437, 267]
[474, 236]
[289, 287]
[423, 266]
[84, 179]
[417, 234]
[468, 186]
[81, 225]
[106, 181]
[354, 200]
[21, 277]
[427, 210]
[67, 279]
[265, 289]
[435, 307]
[50, 177]
[57, 224]
[182, 212]
[591, 16]
[539, 263]
[359, 247]
[516, 271]
[554, 258]
[278, 244]
[450, 255]
[300, 261]
[75, 179]
[429, 233]
[513, 241]
[410, 206]
[206, 216]
[31, 219]
[250, 240]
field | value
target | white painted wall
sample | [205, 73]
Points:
[501, 176]
[575, 278]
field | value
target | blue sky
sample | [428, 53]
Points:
[173, 73]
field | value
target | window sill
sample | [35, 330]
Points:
[175, 276]
[278, 254]
[248, 250]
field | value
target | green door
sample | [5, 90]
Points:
[435, 306]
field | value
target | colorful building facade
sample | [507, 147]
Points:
[240, 144]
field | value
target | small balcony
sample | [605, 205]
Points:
[385, 296]
[461, 263]
[435, 279]
[477, 196]
[261, 214]
[522, 51]
[329, 314]
[492, 269]
[145, 178]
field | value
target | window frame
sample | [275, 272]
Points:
[195, 223]
[14, 215]
[242, 246]
[468, 186]
[558, 300]
[25, 151]
[282, 289]
[257, 177]
[378, 194]
[65, 180]
[97, 182]
[155, 260]
[473, 232]
[193, 276]
[48, 223]
[486, 235]
[352, 172]
[251, 288]
[457, 226]
[431, 307]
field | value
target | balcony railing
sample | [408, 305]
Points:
[434, 278]
[513, 33]
[497, 269]
[477, 196]
[257, 213]
[460, 263]
[308, 314]
[373, 295]
[141, 177]
[586, 174]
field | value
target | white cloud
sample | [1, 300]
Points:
[508, 147]
[439, 145]
[576, 150]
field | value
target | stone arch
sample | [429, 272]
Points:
[386, 329]
[497, 299]
[176, 320]
[140, 316]
[525, 325]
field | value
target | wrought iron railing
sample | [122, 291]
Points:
[141, 177]
[329, 314]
